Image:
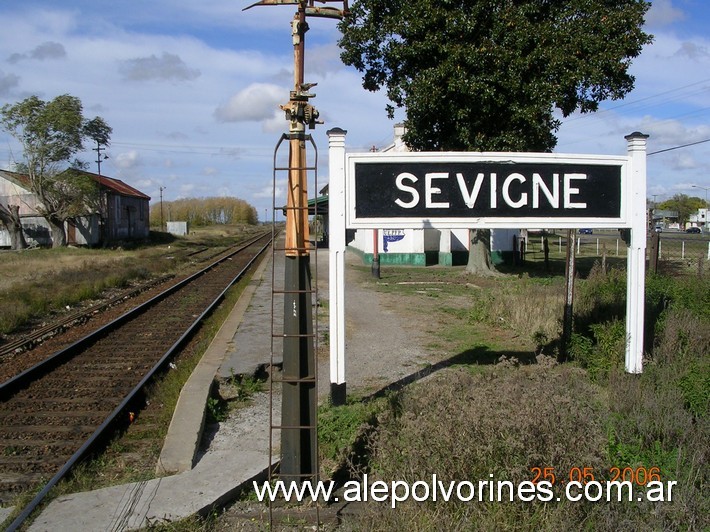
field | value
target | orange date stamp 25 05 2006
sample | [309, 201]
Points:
[639, 475]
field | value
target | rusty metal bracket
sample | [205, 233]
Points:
[309, 8]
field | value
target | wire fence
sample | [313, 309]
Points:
[669, 253]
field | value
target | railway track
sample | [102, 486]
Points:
[54, 413]
[38, 335]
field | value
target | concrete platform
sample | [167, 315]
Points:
[250, 347]
[247, 326]
[216, 479]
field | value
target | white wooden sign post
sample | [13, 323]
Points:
[450, 190]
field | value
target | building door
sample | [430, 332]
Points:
[71, 233]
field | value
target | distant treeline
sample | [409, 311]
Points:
[204, 211]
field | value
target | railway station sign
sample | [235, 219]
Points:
[468, 190]
[393, 191]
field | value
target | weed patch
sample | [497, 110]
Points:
[339, 428]
[500, 422]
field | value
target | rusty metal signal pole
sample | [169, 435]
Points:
[299, 400]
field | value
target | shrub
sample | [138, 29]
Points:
[464, 426]
[602, 353]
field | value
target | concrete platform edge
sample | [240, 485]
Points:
[185, 432]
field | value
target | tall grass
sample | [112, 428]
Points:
[68, 286]
[530, 306]
[503, 421]
[34, 284]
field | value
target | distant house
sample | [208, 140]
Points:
[123, 213]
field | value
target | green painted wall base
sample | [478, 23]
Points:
[446, 259]
[427, 258]
[453, 258]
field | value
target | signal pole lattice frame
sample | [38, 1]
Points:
[298, 427]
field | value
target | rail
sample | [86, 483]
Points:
[22, 380]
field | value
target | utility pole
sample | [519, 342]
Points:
[161, 207]
[98, 149]
[299, 460]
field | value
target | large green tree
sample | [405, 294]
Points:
[684, 205]
[491, 75]
[98, 131]
[50, 133]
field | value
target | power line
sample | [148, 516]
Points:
[240, 151]
[641, 100]
[678, 147]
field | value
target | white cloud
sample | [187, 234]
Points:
[276, 124]
[325, 59]
[692, 50]
[267, 191]
[673, 132]
[7, 82]
[186, 190]
[255, 102]
[126, 160]
[663, 13]
[168, 67]
[49, 50]
[684, 161]
[144, 184]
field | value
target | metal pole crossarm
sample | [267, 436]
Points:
[273, 3]
[310, 9]
[325, 12]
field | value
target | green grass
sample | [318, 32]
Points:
[340, 426]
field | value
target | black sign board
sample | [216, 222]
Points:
[433, 190]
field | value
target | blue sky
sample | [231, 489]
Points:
[192, 90]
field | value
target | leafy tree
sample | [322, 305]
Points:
[50, 134]
[489, 75]
[98, 130]
[684, 205]
[208, 211]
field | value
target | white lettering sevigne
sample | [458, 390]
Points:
[513, 191]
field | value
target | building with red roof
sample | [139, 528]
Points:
[122, 212]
